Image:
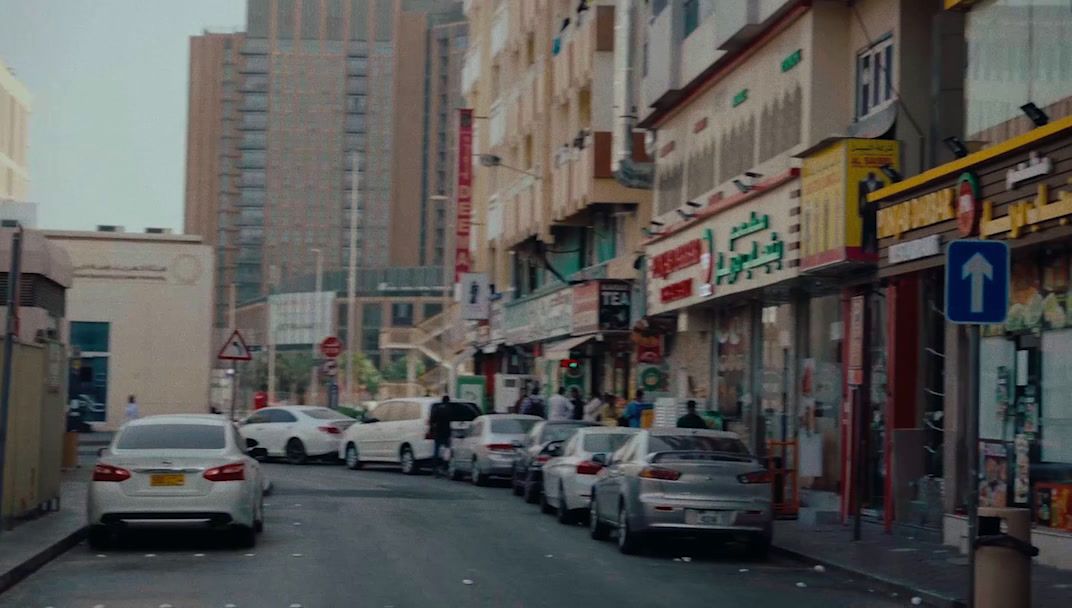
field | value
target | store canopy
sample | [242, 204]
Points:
[557, 351]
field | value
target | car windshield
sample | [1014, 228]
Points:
[605, 442]
[172, 437]
[323, 414]
[696, 443]
[559, 432]
[512, 426]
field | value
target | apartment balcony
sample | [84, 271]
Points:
[470, 69]
[561, 186]
[513, 117]
[586, 178]
[430, 337]
[595, 35]
[500, 29]
[531, 99]
[562, 70]
[522, 210]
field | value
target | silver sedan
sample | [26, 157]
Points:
[176, 470]
[689, 482]
[489, 447]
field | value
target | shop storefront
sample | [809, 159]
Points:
[1019, 192]
[726, 277]
[843, 318]
[535, 330]
[600, 347]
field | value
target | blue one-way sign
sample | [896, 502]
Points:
[977, 282]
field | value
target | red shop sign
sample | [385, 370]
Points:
[682, 256]
[676, 291]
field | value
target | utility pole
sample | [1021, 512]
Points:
[973, 455]
[270, 330]
[351, 281]
[10, 335]
[234, 364]
[316, 324]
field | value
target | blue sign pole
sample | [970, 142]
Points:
[977, 277]
[333, 395]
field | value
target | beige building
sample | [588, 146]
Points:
[139, 321]
[14, 136]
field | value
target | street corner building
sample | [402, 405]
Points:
[139, 315]
[1018, 192]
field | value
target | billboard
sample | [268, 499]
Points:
[301, 318]
[836, 223]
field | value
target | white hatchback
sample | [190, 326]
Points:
[396, 431]
[176, 470]
[296, 432]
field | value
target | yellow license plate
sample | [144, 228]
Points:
[168, 480]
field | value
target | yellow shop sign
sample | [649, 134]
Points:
[1027, 214]
[918, 212]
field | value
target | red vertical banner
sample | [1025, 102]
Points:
[464, 220]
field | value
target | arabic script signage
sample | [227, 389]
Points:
[540, 318]
[678, 258]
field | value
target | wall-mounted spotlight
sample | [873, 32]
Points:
[1036, 115]
[956, 146]
[892, 174]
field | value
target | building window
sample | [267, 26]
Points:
[692, 16]
[432, 309]
[402, 314]
[90, 336]
[874, 78]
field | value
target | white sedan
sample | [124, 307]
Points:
[176, 470]
[568, 477]
[296, 432]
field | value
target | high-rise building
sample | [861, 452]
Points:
[14, 136]
[320, 83]
[212, 157]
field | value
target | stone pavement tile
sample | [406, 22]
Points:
[935, 571]
[33, 543]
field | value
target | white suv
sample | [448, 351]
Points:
[396, 431]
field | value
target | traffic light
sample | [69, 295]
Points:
[569, 363]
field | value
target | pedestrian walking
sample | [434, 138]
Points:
[593, 410]
[578, 404]
[634, 411]
[132, 411]
[439, 428]
[533, 404]
[560, 406]
[611, 414]
[691, 420]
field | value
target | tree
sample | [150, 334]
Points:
[395, 371]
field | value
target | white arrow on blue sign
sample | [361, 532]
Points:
[977, 282]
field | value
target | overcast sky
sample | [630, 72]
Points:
[108, 78]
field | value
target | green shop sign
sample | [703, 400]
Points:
[768, 256]
[740, 97]
[792, 60]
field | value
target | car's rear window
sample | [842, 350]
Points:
[560, 432]
[696, 443]
[172, 437]
[512, 426]
[323, 413]
[468, 411]
[605, 442]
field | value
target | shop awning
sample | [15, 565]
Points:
[557, 351]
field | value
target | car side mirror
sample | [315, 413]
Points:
[257, 453]
[600, 458]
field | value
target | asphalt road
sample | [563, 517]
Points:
[376, 538]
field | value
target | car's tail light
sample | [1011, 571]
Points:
[330, 430]
[500, 447]
[228, 472]
[588, 467]
[106, 472]
[660, 473]
[542, 458]
[755, 477]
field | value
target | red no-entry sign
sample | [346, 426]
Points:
[331, 347]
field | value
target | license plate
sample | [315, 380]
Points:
[167, 480]
[711, 518]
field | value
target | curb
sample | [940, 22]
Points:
[930, 598]
[13, 576]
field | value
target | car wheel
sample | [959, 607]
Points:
[759, 547]
[409, 463]
[596, 529]
[532, 490]
[353, 461]
[628, 541]
[564, 515]
[478, 478]
[545, 507]
[518, 486]
[258, 518]
[99, 537]
[245, 536]
[296, 451]
[452, 471]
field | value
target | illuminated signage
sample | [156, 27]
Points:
[676, 291]
[1026, 214]
[918, 212]
[678, 258]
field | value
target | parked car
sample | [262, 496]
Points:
[396, 431]
[526, 476]
[683, 481]
[296, 432]
[189, 468]
[489, 447]
[568, 478]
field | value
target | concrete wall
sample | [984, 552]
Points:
[157, 295]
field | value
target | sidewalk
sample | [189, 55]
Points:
[935, 572]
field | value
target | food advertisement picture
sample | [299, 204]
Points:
[994, 472]
[1053, 505]
[1041, 297]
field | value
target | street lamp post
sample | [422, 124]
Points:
[316, 323]
[351, 282]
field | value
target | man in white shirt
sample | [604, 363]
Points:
[561, 408]
[132, 412]
[593, 408]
